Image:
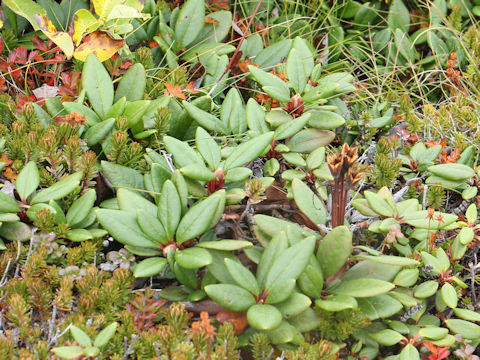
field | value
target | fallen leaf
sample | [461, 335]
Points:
[237, 319]
[100, 44]
[60, 38]
[45, 91]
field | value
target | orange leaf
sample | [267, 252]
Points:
[100, 44]
[237, 319]
[174, 91]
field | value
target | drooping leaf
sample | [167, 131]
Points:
[99, 44]
[60, 38]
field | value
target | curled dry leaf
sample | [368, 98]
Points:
[100, 44]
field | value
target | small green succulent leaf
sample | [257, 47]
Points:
[378, 204]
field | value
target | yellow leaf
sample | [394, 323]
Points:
[83, 23]
[100, 44]
[104, 7]
[60, 38]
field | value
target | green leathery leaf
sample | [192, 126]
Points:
[151, 226]
[131, 201]
[225, 244]
[105, 335]
[387, 337]
[433, 333]
[398, 16]
[238, 174]
[362, 287]
[149, 267]
[132, 84]
[190, 22]
[169, 208]
[193, 258]
[452, 171]
[291, 127]
[264, 317]
[80, 336]
[296, 73]
[232, 297]
[122, 176]
[326, 120]
[123, 226]
[280, 291]
[334, 250]
[389, 259]
[449, 295]
[99, 131]
[308, 202]
[198, 172]
[59, 189]
[78, 235]
[242, 276]
[205, 119]
[199, 217]
[378, 204]
[27, 180]
[182, 153]
[208, 148]
[466, 329]
[311, 281]
[425, 289]
[276, 246]
[98, 85]
[255, 116]
[282, 334]
[466, 314]
[295, 304]
[68, 352]
[81, 207]
[308, 140]
[232, 112]
[337, 303]
[8, 204]
[248, 151]
[380, 306]
[406, 277]
[291, 262]
[134, 112]
[272, 85]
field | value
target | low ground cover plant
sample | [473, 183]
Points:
[211, 179]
